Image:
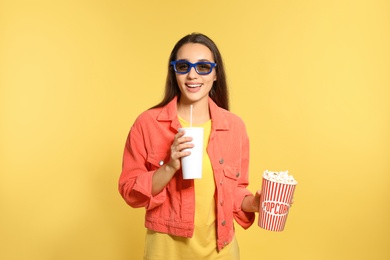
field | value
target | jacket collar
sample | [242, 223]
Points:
[217, 114]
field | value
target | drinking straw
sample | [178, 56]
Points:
[191, 116]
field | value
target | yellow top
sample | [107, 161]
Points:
[203, 244]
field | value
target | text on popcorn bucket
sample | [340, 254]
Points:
[275, 207]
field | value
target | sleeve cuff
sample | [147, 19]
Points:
[144, 185]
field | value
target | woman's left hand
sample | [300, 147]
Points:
[251, 203]
[256, 201]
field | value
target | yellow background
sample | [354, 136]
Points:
[311, 79]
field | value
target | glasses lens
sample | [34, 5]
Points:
[182, 66]
[203, 68]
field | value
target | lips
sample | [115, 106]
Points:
[193, 87]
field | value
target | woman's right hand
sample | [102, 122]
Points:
[180, 143]
[164, 174]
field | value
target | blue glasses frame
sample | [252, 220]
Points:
[193, 65]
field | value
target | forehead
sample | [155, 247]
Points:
[194, 52]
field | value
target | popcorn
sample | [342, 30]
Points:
[281, 177]
[277, 192]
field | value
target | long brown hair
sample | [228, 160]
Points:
[218, 93]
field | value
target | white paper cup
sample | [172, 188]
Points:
[191, 165]
[275, 203]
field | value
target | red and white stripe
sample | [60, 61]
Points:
[275, 202]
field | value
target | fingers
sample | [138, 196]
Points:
[181, 143]
[178, 149]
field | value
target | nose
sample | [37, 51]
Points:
[192, 74]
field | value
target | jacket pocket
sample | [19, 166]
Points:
[157, 159]
[231, 176]
[231, 173]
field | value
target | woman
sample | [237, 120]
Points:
[190, 219]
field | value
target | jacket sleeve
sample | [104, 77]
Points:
[135, 182]
[244, 219]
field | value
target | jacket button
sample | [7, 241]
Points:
[161, 163]
[221, 202]
[223, 223]
[238, 174]
[221, 182]
[221, 161]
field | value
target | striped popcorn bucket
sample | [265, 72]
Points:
[275, 202]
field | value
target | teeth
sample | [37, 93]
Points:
[193, 85]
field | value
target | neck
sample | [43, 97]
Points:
[200, 112]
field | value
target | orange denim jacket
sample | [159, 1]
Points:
[172, 210]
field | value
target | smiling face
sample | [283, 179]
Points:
[195, 88]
